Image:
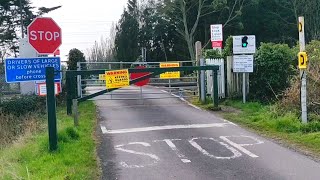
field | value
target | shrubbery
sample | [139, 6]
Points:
[273, 68]
[19, 115]
[23, 105]
[292, 94]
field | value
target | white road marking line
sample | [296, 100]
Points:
[176, 96]
[194, 106]
[182, 99]
[104, 129]
[152, 156]
[175, 149]
[229, 122]
[240, 146]
[185, 160]
[204, 152]
[157, 128]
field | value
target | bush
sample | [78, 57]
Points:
[212, 54]
[11, 127]
[228, 48]
[310, 127]
[23, 105]
[288, 125]
[273, 68]
[292, 94]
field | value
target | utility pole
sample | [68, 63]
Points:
[21, 16]
[303, 71]
[144, 54]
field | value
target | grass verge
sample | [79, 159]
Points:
[29, 157]
[285, 127]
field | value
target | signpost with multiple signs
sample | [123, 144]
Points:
[244, 47]
[303, 64]
[44, 35]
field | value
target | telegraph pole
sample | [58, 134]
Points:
[303, 71]
[21, 16]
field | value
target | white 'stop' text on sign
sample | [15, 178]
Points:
[44, 35]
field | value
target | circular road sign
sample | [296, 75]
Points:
[137, 75]
[44, 35]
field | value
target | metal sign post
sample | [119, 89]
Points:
[303, 73]
[202, 82]
[244, 88]
[243, 64]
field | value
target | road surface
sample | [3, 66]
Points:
[170, 139]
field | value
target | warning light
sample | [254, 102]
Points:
[244, 41]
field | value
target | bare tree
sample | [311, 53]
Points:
[103, 51]
[188, 29]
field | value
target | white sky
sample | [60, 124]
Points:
[83, 22]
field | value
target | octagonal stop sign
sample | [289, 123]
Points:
[44, 35]
[138, 75]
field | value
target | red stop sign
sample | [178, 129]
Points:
[44, 35]
[137, 75]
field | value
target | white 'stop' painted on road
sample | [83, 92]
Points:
[157, 128]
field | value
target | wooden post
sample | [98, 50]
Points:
[229, 76]
[197, 63]
[75, 112]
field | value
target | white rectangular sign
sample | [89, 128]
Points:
[245, 44]
[41, 88]
[243, 63]
[216, 32]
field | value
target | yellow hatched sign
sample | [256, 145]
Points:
[117, 78]
[102, 77]
[170, 75]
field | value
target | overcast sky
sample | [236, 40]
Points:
[83, 22]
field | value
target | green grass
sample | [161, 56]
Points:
[75, 158]
[270, 121]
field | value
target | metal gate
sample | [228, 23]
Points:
[184, 87]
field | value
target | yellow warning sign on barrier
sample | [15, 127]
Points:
[102, 77]
[117, 79]
[170, 75]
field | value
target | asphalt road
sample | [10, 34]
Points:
[169, 139]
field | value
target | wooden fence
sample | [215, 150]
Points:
[234, 80]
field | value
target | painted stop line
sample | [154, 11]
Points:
[232, 148]
[167, 127]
